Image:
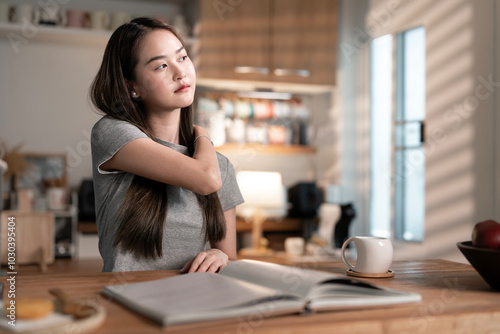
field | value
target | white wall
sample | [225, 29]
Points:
[44, 89]
[352, 86]
[460, 127]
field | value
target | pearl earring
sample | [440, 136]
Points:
[134, 94]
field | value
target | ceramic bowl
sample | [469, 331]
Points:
[485, 261]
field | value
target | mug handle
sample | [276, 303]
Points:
[344, 246]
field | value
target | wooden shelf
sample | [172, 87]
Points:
[275, 86]
[20, 35]
[265, 149]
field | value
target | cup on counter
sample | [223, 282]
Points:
[119, 18]
[294, 246]
[235, 130]
[216, 128]
[25, 13]
[76, 18]
[56, 198]
[4, 12]
[374, 255]
[99, 20]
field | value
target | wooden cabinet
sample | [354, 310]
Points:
[234, 43]
[285, 41]
[304, 40]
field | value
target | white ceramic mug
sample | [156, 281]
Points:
[235, 130]
[99, 20]
[25, 13]
[294, 246]
[56, 198]
[374, 255]
[4, 12]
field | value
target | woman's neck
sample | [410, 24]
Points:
[165, 125]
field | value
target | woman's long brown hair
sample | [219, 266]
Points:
[144, 209]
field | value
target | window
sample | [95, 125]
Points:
[407, 164]
[409, 176]
[380, 135]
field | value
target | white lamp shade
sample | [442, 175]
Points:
[261, 189]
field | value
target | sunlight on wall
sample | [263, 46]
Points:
[451, 70]
[449, 204]
[445, 166]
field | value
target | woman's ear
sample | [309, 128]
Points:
[133, 90]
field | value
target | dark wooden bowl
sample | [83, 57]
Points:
[485, 261]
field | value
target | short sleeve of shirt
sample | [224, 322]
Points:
[229, 194]
[108, 136]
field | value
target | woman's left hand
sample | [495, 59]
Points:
[210, 261]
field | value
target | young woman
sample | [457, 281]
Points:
[164, 198]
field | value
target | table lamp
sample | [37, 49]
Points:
[263, 193]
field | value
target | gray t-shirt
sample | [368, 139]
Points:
[183, 235]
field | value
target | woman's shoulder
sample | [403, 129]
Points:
[109, 126]
[106, 123]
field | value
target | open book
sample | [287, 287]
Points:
[249, 287]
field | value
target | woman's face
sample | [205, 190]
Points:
[165, 76]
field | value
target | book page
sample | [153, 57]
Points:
[319, 290]
[188, 296]
[290, 280]
[337, 296]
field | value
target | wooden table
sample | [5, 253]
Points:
[455, 299]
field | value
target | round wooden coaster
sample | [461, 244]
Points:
[388, 274]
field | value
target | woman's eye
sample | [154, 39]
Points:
[161, 66]
[183, 58]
